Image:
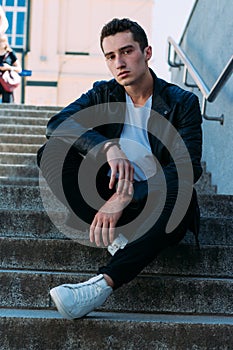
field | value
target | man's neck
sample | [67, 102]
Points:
[140, 92]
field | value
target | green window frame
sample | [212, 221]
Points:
[17, 14]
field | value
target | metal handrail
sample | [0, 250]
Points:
[209, 95]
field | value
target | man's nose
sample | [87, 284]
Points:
[119, 62]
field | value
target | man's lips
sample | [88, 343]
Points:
[122, 74]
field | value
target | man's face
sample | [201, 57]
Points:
[125, 60]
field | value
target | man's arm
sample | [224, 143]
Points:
[73, 126]
[106, 219]
[188, 126]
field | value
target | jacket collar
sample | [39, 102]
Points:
[158, 104]
[118, 92]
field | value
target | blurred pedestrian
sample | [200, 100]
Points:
[10, 62]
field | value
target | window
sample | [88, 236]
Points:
[16, 13]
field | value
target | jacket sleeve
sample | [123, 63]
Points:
[73, 125]
[188, 126]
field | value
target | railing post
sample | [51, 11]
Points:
[185, 78]
[172, 63]
[205, 116]
[208, 95]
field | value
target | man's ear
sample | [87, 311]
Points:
[148, 52]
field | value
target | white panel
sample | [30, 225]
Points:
[77, 26]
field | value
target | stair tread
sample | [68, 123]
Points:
[120, 316]
[84, 275]
[182, 288]
[41, 254]
[16, 154]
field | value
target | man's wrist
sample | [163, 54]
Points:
[110, 144]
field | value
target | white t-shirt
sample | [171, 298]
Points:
[134, 140]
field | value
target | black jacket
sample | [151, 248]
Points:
[105, 121]
[98, 116]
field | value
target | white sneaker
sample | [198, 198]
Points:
[77, 300]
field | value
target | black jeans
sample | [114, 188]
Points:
[7, 97]
[127, 263]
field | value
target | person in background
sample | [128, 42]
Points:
[8, 61]
[3, 21]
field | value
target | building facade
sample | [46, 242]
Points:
[58, 40]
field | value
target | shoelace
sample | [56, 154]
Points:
[87, 292]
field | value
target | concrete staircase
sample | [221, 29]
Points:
[181, 301]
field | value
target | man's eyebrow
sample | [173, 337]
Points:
[121, 49]
[126, 47]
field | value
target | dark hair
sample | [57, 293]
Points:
[122, 25]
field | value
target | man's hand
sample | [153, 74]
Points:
[105, 220]
[120, 165]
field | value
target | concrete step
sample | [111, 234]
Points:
[19, 148]
[146, 293]
[204, 185]
[22, 129]
[30, 224]
[45, 329]
[29, 112]
[36, 224]
[216, 205]
[14, 106]
[183, 300]
[18, 170]
[25, 197]
[29, 197]
[17, 158]
[45, 254]
[18, 181]
[23, 139]
[41, 121]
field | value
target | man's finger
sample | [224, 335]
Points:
[131, 173]
[113, 177]
[97, 235]
[105, 233]
[130, 189]
[121, 177]
[111, 232]
[95, 230]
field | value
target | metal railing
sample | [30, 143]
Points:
[209, 95]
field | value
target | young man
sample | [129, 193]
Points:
[143, 136]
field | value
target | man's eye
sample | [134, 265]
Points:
[110, 58]
[127, 52]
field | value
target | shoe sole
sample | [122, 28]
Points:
[59, 305]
